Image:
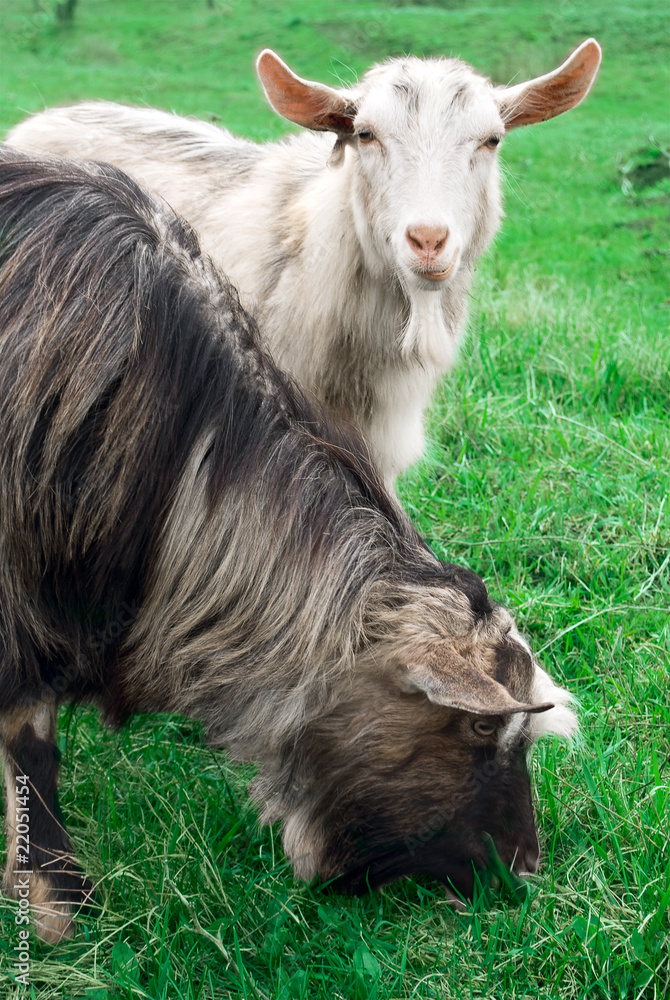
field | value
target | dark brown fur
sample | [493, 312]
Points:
[182, 531]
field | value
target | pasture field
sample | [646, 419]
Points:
[548, 472]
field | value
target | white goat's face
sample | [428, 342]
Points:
[426, 194]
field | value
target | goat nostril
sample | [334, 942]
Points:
[413, 241]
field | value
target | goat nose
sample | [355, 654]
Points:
[427, 239]
[530, 860]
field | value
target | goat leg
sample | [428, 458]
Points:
[40, 871]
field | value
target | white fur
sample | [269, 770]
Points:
[559, 720]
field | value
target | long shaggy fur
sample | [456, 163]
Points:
[182, 531]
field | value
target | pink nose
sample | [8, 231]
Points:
[427, 241]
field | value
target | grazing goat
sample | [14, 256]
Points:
[183, 531]
[354, 250]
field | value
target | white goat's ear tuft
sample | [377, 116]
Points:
[312, 105]
[550, 95]
[559, 720]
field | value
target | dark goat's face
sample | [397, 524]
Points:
[393, 783]
[431, 812]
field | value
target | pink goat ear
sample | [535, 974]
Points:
[447, 678]
[312, 105]
[552, 94]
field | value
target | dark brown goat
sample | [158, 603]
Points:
[182, 532]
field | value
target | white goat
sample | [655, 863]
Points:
[354, 250]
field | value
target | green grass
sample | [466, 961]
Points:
[547, 472]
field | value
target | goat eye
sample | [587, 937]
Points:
[492, 142]
[483, 728]
[365, 136]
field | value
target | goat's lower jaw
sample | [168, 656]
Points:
[438, 276]
[432, 279]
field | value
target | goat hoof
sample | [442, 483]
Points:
[55, 899]
[53, 926]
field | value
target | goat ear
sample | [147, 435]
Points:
[312, 105]
[552, 94]
[447, 678]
